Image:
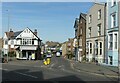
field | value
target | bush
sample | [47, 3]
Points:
[83, 58]
[93, 59]
[12, 54]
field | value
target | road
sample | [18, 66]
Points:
[60, 69]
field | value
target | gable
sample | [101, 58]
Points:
[27, 33]
[5, 36]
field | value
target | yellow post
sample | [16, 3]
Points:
[45, 62]
[48, 61]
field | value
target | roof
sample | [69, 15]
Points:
[17, 33]
[83, 15]
[13, 35]
[76, 22]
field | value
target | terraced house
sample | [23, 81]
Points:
[80, 35]
[95, 33]
[112, 33]
[24, 43]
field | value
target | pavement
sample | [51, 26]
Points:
[96, 69]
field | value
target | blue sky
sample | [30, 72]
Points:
[53, 20]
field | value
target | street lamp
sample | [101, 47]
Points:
[8, 32]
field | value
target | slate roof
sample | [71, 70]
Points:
[17, 33]
[83, 15]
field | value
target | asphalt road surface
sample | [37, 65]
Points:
[60, 69]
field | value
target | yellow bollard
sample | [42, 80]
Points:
[45, 62]
[48, 61]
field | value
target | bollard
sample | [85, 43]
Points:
[48, 61]
[45, 62]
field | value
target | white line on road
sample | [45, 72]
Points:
[3, 69]
[20, 73]
[26, 74]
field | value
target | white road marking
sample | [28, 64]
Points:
[20, 73]
[3, 69]
[26, 74]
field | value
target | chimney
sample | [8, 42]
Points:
[35, 32]
[11, 33]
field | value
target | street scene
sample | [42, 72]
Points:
[60, 42]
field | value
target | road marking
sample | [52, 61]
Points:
[3, 69]
[26, 74]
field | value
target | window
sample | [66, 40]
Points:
[87, 47]
[96, 47]
[26, 41]
[32, 42]
[99, 14]
[110, 42]
[89, 31]
[113, 20]
[115, 41]
[113, 2]
[12, 42]
[90, 18]
[100, 48]
[99, 29]
[80, 42]
[21, 42]
[90, 48]
[6, 42]
[80, 31]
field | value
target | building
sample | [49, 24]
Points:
[95, 33]
[23, 43]
[80, 35]
[64, 49]
[1, 46]
[119, 35]
[112, 33]
[68, 48]
[75, 43]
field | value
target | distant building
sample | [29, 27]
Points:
[112, 33]
[64, 49]
[23, 43]
[1, 46]
[68, 48]
[95, 33]
[75, 43]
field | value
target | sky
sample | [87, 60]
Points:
[54, 21]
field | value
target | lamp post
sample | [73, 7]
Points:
[8, 33]
[119, 42]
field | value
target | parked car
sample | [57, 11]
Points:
[58, 54]
[49, 55]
